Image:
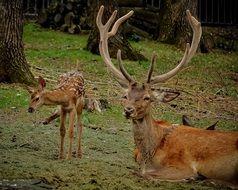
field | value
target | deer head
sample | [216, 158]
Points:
[36, 95]
[138, 97]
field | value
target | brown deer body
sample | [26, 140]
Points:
[177, 152]
[165, 151]
[69, 95]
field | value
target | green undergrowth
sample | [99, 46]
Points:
[12, 97]
[29, 149]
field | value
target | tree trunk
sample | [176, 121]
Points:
[13, 65]
[119, 41]
[174, 27]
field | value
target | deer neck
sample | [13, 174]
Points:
[147, 136]
[55, 97]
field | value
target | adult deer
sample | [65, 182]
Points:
[69, 95]
[165, 151]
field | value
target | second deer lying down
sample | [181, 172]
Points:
[69, 95]
[166, 151]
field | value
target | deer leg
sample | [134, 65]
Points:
[80, 128]
[171, 174]
[71, 132]
[62, 133]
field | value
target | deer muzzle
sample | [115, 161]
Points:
[128, 111]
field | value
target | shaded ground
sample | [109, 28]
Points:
[29, 149]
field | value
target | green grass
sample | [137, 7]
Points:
[12, 97]
[209, 93]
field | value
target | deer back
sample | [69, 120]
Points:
[72, 82]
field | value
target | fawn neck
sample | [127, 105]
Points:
[147, 136]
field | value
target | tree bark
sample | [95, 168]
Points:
[174, 27]
[119, 41]
[13, 65]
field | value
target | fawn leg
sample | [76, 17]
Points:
[80, 128]
[55, 115]
[71, 132]
[62, 133]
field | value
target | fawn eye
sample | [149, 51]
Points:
[124, 97]
[37, 99]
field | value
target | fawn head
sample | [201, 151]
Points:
[36, 95]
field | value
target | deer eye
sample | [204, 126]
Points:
[37, 99]
[146, 98]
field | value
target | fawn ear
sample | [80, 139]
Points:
[41, 83]
[29, 89]
[165, 95]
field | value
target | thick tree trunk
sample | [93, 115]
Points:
[119, 41]
[174, 27]
[13, 65]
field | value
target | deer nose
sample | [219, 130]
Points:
[30, 110]
[129, 110]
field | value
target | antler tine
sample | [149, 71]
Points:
[118, 23]
[99, 17]
[197, 31]
[122, 69]
[153, 59]
[189, 51]
[109, 22]
[104, 35]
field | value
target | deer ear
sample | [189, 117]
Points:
[41, 83]
[165, 95]
[96, 105]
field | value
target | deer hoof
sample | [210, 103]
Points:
[45, 123]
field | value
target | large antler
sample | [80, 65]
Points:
[189, 52]
[103, 45]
